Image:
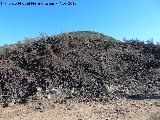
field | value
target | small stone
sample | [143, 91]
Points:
[39, 89]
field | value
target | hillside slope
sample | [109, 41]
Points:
[84, 64]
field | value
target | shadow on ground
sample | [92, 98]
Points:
[139, 97]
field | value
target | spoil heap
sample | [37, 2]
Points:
[86, 65]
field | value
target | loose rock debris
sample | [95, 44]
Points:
[84, 65]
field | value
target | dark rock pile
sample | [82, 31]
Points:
[86, 65]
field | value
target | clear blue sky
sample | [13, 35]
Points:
[117, 18]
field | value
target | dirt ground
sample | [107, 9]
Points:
[113, 110]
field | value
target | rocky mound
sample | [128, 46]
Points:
[84, 64]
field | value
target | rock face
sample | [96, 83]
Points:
[86, 65]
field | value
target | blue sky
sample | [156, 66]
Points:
[117, 18]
